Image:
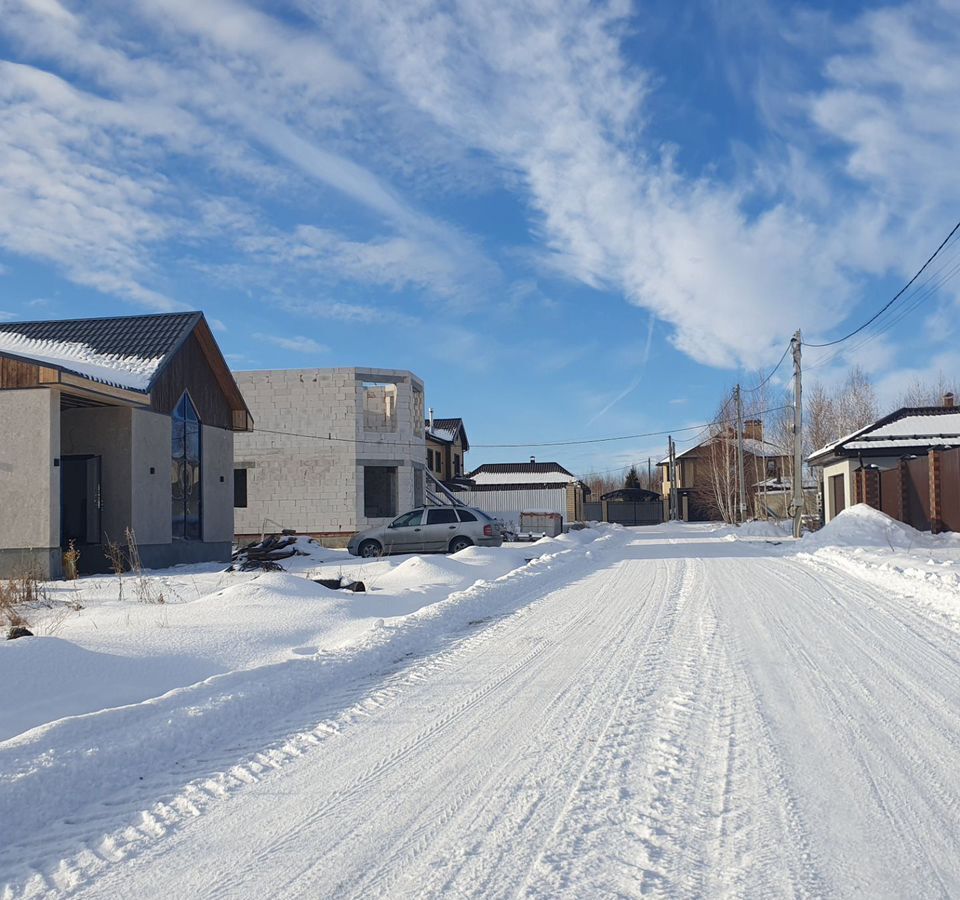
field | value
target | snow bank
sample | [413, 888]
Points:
[867, 543]
[70, 765]
[864, 526]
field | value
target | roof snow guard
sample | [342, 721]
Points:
[121, 351]
[910, 430]
[513, 474]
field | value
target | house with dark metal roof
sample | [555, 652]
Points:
[447, 446]
[906, 464]
[506, 490]
[111, 425]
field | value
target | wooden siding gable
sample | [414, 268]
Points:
[198, 366]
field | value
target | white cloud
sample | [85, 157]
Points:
[546, 92]
[296, 344]
[87, 181]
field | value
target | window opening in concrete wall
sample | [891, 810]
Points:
[417, 411]
[240, 488]
[379, 407]
[379, 491]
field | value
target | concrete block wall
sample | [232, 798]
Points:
[302, 459]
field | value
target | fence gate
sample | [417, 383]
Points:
[647, 512]
[917, 494]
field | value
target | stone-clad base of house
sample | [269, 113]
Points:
[44, 563]
[47, 563]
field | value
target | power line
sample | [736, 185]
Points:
[770, 375]
[625, 437]
[919, 295]
[896, 296]
[407, 444]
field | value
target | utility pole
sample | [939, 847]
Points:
[672, 454]
[797, 502]
[649, 474]
[742, 494]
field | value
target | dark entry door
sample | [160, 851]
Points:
[837, 489]
[79, 500]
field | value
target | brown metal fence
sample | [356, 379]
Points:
[950, 489]
[917, 493]
[890, 493]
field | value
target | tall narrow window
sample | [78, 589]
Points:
[186, 475]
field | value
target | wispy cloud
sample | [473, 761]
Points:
[732, 266]
[296, 344]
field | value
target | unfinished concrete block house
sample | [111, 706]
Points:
[115, 423]
[335, 451]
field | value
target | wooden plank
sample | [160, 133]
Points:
[15, 373]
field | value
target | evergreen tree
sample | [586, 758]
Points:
[633, 478]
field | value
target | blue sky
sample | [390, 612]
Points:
[572, 220]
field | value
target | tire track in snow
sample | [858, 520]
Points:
[844, 689]
[420, 833]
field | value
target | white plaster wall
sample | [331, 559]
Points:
[845, 467]
[217, 483]
[29, 481]
[152, 496]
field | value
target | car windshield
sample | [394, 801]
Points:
[483, 515]
[407, 519]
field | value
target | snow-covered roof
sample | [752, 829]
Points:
[447, 430]
[785, 484]
[123, 351]
[908, 428]
[522, 473]
[122, 371]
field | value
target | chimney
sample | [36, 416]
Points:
[753, 429]
[533, 459]
[948, 400]
[431, 418]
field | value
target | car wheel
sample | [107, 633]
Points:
[460, 543]
[369, 549]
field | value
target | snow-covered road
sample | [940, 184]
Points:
[685, 716]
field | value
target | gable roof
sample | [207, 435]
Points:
[122, 351]
[757, 448]
[446, 431]
[550, 473]
[906, 430]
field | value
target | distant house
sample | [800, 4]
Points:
[447, 445]
[507, 489]
[698, 467]
[336, 451]
[906, 464]
[115, 423]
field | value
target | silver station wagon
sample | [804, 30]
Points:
[439, 529]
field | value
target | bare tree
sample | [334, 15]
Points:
[856, 402]
[921, 392]
[716, 469]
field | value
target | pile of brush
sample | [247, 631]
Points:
[266, 555]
